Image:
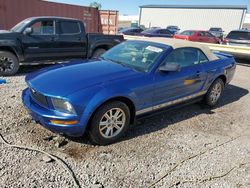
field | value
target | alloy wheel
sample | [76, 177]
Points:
[6, 64]
[112, 123]
[215, 92]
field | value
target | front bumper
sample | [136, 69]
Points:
[43, 116]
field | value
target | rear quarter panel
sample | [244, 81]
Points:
[224, 66]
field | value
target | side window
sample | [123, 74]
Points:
[43, 28]
[209, 34]
[202, 57]
[164, 31]
[138, 30]
[201, 34]
[184, 57]
[69, 27]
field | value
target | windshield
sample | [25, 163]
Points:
[172, 27]
[239, 35]
[19, 27]
[187, 33]
[215, 29]
[138, 55]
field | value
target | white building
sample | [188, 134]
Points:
[128, 20]
[193, 17]
[247, 22]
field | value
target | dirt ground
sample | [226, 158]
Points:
[189, 147]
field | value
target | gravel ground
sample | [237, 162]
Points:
[189, 147]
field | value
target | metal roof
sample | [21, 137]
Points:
[197, 6]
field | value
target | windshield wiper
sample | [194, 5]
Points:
[124, 64]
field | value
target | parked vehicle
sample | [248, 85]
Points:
[120, 28]
[130, 31]
[104, 96]
[173, 29]
[41, 39]
[156, 33]
[238, 38]
[217, 31]
[198, 36]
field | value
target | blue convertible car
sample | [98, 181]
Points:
[104, 96]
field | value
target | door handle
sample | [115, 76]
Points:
[198, 74]
[195, 76]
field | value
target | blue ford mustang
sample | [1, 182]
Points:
[104, 96]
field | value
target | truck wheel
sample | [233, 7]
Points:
[98, 52]
[214, 92]
[109, 123]
[9, 63]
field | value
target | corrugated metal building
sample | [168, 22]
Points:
[193, 17]
[14, 11]
[247, 21]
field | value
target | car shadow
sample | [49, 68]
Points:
[164, 119]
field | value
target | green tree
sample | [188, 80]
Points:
[96, 5]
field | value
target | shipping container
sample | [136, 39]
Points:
[109, 21]
[14, 11]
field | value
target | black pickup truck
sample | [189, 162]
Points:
[43, 39]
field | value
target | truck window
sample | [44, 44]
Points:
[69, 27]
[43, 28]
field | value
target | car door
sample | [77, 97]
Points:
[40, 43]
[202, 36]
[211, 38]
[71, 39]
[187, 82]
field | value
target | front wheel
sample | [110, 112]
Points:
[9, 64]
[109, 123]
[214, 92]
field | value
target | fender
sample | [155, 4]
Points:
[217, 73]
[13, 46]
[104, 95]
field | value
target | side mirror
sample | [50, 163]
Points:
[28, 31]
[170, 67]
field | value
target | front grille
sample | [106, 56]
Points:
[39, 98]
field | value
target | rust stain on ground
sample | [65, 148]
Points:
[78, 152]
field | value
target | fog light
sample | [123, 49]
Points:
[60, 122]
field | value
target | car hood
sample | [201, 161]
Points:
[4, 34]
[5, 31]
[64, 79]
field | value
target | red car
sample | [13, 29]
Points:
[198, 36]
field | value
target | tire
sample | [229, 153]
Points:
[214, 92]
[98, 52]
[103, 124]
[9, 64]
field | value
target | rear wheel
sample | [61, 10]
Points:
[214, 92]
[98, 52]
[109, 123]
[9, 64]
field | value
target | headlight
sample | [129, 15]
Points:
[63, 106]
